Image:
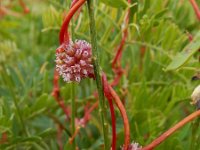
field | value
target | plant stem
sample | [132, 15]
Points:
[56, 94]
[73, 113]
[112, 111]
[102, 108]
[64, 35]
[124, 117]
[169, 132]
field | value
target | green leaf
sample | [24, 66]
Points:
[183, 57]
[116, 3]
[47, 132]
[40, 102]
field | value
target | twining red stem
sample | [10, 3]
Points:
[88, 112]
[112, 111]
[124, 117]
[73, 3]
[116, 66]
[84, 121]
[59, 137]
[142, 53]
[64, 35]
[56, 94]
[169, 132]
[196, 8]
[4, 138]
[71, 139]
[111, 93]
[116, 60]
[23, 5]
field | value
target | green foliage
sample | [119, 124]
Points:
[186, 54]
[156, 99]
[116, 3]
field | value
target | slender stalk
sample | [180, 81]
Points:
[169, 132]
[102, 108]
[73, 107]
[73, 114]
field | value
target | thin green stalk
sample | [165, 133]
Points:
[73, 107]
[102, 108]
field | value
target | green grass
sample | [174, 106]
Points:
[156, 99]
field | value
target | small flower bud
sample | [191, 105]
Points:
[134, 146]
[73, 61]
[196, 97]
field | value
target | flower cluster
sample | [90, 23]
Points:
[134, 146]
[74, 61]
[196, 97]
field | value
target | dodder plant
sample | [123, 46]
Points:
[149, 37]
[74, 62]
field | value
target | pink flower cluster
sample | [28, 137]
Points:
[74, 61]
[134, 146]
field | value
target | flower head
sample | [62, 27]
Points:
[196, 97]
[73, 61]
[134, 146]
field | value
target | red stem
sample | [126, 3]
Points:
[88, 112]
[196, 8]
[124, 117]
[64, 35]
[56, 94]
[59, 137]
[23, 5]
[4, 138]
[112, 111]
[142, 53]
[73, 3]
[116, 60]
[116, 66]
[84, 122]
[112, 94]
[169, 132]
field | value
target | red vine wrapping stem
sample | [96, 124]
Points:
[23, 5]
[59, 137]
[56, 94]
[64, 35]
[116, 60]
[88, 112]
[116, 66]
[83, 121]
[112, 111]
[4, 138]
[166, 134]
[196, 8]
[111, 93]
[73, 3]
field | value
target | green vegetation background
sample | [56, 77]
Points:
[156, 98]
